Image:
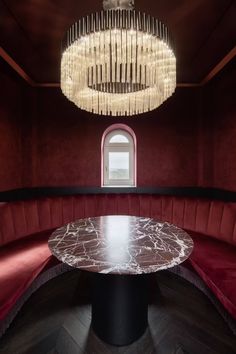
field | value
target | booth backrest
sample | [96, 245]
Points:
[213, 218]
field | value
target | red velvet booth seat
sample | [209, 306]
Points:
[20, 263]
[25, 227]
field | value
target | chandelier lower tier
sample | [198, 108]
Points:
[118, 62]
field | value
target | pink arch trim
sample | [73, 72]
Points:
[127, 129]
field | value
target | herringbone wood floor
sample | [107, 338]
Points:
[56, 320]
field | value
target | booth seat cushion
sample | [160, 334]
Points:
[215, 262]
[20, 263]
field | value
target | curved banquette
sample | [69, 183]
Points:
[25, 227]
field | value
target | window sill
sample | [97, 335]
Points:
[123, 186]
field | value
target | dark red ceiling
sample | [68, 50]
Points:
[31, 32]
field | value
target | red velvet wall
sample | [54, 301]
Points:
[10, 132]
[67, 142]
[220, 128]
[224, 96]
[189, 141]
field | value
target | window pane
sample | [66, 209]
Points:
[118, 165]
[119, 139]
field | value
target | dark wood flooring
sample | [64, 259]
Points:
[56, 320]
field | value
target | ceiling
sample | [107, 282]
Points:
[31, 31]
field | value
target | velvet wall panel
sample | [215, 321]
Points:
[220, 114]
[224, 96]
[10, 132]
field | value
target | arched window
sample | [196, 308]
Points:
[119, 156]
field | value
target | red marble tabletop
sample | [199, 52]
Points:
[120, 244]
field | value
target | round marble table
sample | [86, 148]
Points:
[120, 251]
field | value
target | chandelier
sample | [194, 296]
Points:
[118, 62]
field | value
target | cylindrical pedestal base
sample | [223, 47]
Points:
[119, 307]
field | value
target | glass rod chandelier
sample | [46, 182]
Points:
[118, 62]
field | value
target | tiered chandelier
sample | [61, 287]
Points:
[118, 62]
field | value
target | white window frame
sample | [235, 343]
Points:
[119, 147]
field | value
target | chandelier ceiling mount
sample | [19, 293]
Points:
[118, 5]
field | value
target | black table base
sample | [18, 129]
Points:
[119, 307]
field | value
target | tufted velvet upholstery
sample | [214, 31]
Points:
[213, 218]
[26, 225]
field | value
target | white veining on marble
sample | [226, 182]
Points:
[120, 244]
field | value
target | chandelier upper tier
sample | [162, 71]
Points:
[118, 62]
